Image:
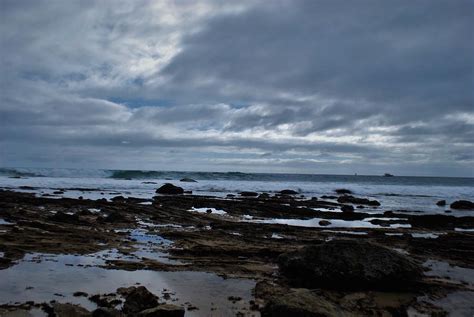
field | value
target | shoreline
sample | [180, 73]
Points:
[179, 234]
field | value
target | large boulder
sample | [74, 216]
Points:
[463, 204]
[343, 191]
[170, 189]
[138, 299]
[165, 310]
[349, 265]
[355, 200]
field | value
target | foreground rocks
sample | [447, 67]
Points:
[349, 264]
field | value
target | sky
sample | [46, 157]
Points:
[316, 86]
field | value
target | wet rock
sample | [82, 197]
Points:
[347, 208]
[354, 200]
[248, 194]
[343, 191]
[79, 294]
[139, 299]
[288, 192]
[324, 223]
[264, 196]
[170, 189]
[116, 217]
[188, 180]
[349, 265]
[106, 312]
[165, 310]
[230, 195]
[118, 199]
[462, 204]
[302, 303]
[441, 203]
[70, 310]
[328, 197]
[65, 218]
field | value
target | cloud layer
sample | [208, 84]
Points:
[286, 86]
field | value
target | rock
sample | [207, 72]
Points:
[170, 189]
[349, 265]
[354, 200]
[343, 191]
[65, 218]
[324, 223]
[264, 196]
[106, 312]
[463, 204]
[302, 303]
[288, 192]
[165, 310]
[328, 197]
[116, 217]
[118, 199]
[139, 299]
[230, 195]
[79, 294]
[70, 310]
[441, 203]
[188, 180]
[347, 208]
[248, 194]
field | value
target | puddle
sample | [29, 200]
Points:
[209, 211]
[453, 273]
[276, 236]
[359, 233]
[39, 277]
[428, 235]
[393, 234]
[463, 230]
[4, 222]
[335, 223]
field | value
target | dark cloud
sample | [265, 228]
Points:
[307, 86]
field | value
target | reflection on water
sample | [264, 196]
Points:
[334, 223]
[42, 278]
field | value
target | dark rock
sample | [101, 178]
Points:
[354, 200]
[65, 218]
[248, 194]
[441, 203]
[149, 183]
[463, 204]
[188, 180]
[324, 223]
[116, 217]
[343, 191]
[70, 310]
[118, 199]
[58, 192]
[27, 187]
[360, 207]
[106, 312]
[188, 192]
[230, 196]
[328, 197]
[170, 189]
[288, 192]
[165, 310]
[264, 196]
[302, 303]
[79, 294]
[347, 208]
[139, 299]
[349, 265]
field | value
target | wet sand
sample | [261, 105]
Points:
[219, 256]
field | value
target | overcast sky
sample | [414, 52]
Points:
[268, 86]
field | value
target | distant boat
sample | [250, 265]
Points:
[387, 175]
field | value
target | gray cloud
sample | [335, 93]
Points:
[302, 86]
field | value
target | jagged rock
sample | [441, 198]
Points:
[170, 189]
[139, 299]
[288, 192]
[463, 204]
[70, 310]
[349, 265]
[165, 310]
[354, 200]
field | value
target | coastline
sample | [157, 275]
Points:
[233, 241]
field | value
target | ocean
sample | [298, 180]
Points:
[395, 193]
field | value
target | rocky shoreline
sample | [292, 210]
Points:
[381, 268]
